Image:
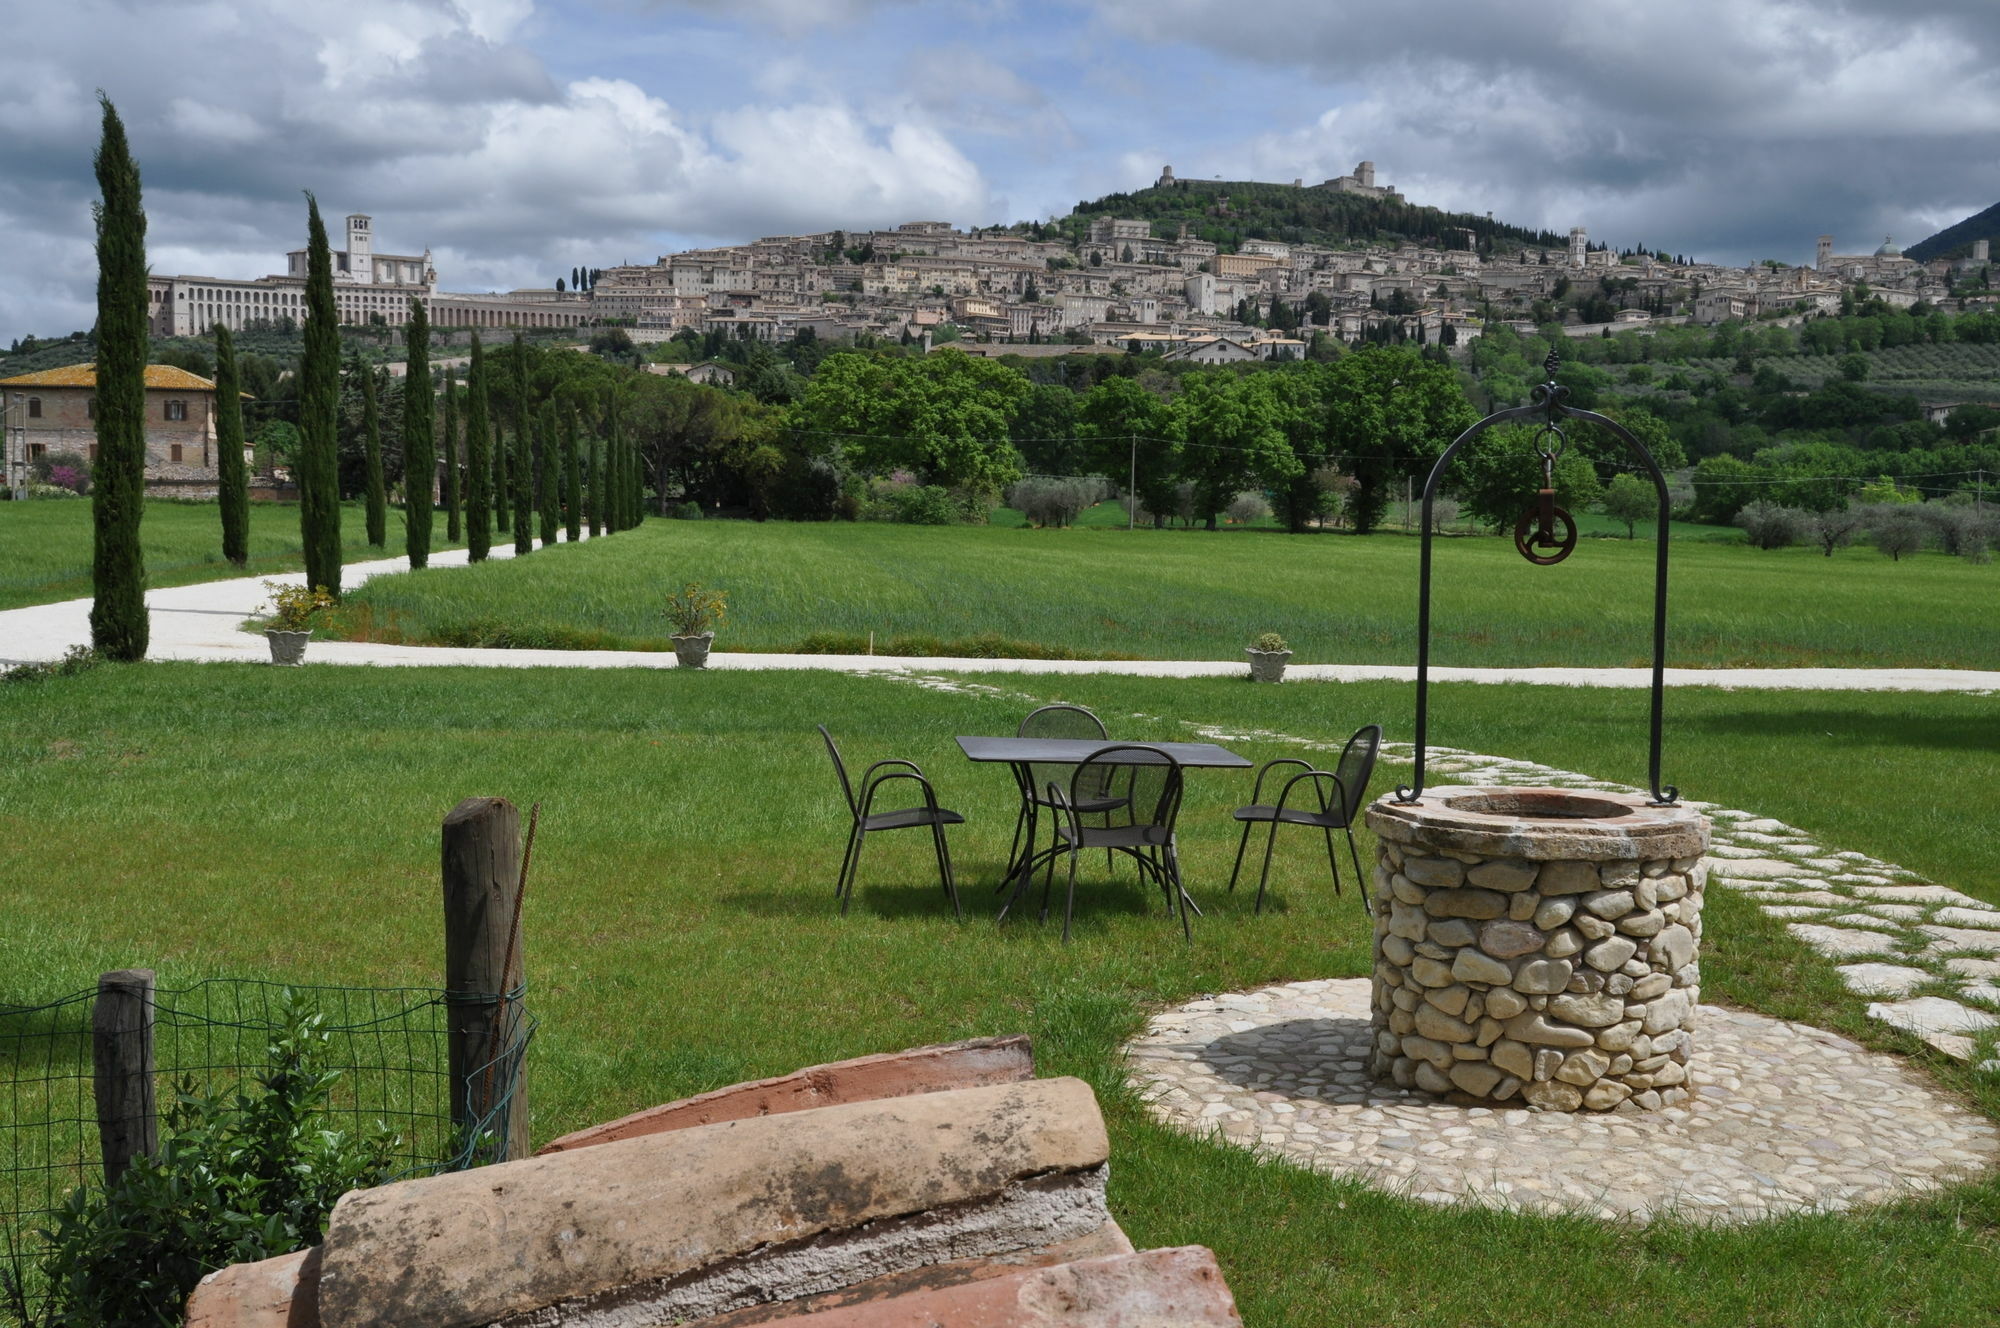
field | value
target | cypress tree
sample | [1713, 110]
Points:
[371, 437]
[599, 499]
[419, 437]
[572, 479]
[448, 451]
[522, 463]
[500, 482]
[478, 460]
[118, 625]
[317, 465]
[548, 473]
[232, 489]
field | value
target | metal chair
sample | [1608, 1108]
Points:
[1146, 782]
[1034, 778]
[1349, 782]
[866, 818]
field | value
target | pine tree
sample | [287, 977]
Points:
[548, 472]
[522, 463]
[478, 459]
[419, 437]
[118, 624]
[317, 464]
[232, 486]
[371, 441]
[448, 454]
[572, 479]
[600, 505]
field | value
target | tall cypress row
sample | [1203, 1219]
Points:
[371, 441]
[599, 499]
[478, 459]
[572, 479]
[232, 477]
[419, 437]
[448, 453]
[118, 625]
[635, 462]
[522, 463]
[318, 461]
[548, 472]
[503, 484]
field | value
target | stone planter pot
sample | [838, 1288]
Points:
[692, 651]
[287, 647]
[1537, 945]
[1267, 665]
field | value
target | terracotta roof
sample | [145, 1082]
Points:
[164, 376]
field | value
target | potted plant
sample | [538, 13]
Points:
[1267, 658]
[293, 609]
[695, 614]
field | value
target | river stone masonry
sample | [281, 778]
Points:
[1537, 944]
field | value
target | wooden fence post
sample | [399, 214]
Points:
[483, 969]
[121, 1047]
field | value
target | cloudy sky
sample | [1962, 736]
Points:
[519, 138]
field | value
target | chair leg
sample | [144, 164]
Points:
[846, 857]
[853, 871]
[1332, 859]
[1021, 823]
[1264, 877]
[1360, 878]
[1049, 872]
[1180, 892]
[1241, 844]
[944, 870]
[1069, 904]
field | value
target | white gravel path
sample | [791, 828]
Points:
[200, 622]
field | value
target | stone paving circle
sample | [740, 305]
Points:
[1785, 1117]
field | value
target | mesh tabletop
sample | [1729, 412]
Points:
[1072, 751]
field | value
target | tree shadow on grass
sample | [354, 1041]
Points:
[1848, 729]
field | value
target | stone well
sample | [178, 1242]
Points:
[1539, 944]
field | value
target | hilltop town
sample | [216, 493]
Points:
[1111, 282]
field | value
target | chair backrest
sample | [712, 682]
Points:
[1058, 721]
[839, 768]
[1150, 785]
[1357, 765]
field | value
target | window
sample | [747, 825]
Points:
[177, 410]
[90, 408]
[34, 408]
[174, 452]
[37, 450]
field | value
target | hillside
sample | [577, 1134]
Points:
[1956, 241]
[1229, 212]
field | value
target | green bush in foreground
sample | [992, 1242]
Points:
[237, 1178]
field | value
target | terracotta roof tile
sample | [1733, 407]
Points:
[163, 376]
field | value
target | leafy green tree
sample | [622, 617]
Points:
[1497, 475]
[1229, 428]
[449, 451]
[572, 478]
[118, 625]
[232, 480]
[944, 417]
[1631, 500]
[419, 436]
[547, 471]
[478, 459]
[1130, 435]
[317, 465]
[522, 463]
[1044, 431]
[371, 436]
[1390, 413]
[600, 497]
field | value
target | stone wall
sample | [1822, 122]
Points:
[1550, 961]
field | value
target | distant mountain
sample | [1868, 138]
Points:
[1956, 241]
[1228, 212]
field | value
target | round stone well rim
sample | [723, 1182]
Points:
[1443, 821]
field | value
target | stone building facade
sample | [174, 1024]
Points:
[55, 411]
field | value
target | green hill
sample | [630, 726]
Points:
[1956, 241]
[1229, 212]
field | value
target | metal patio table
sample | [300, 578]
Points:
[1021, 753]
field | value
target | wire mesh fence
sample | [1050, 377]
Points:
[389, 1044]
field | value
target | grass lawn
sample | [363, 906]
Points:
[45, 546]
[1183, 594]
[680, 931]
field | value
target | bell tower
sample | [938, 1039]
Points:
[360, 263]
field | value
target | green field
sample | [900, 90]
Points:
[680, 930]
[1192, 594]
[45, 546]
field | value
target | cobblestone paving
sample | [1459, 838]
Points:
[1786, 1117]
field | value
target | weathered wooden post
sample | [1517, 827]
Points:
[483, 967]
[121, 1046]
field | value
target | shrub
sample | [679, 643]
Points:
[1769, 526]
[61, 470]
[688, 511]
[922, 505]
[806, 490]
[692, 610]
[236, 1178]
[295, 608]
[75, 660]
[1247, 507]
[1052, 500]
[1269, 642]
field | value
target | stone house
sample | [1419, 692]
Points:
[55, 410]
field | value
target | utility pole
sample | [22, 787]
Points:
[1132, 485]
